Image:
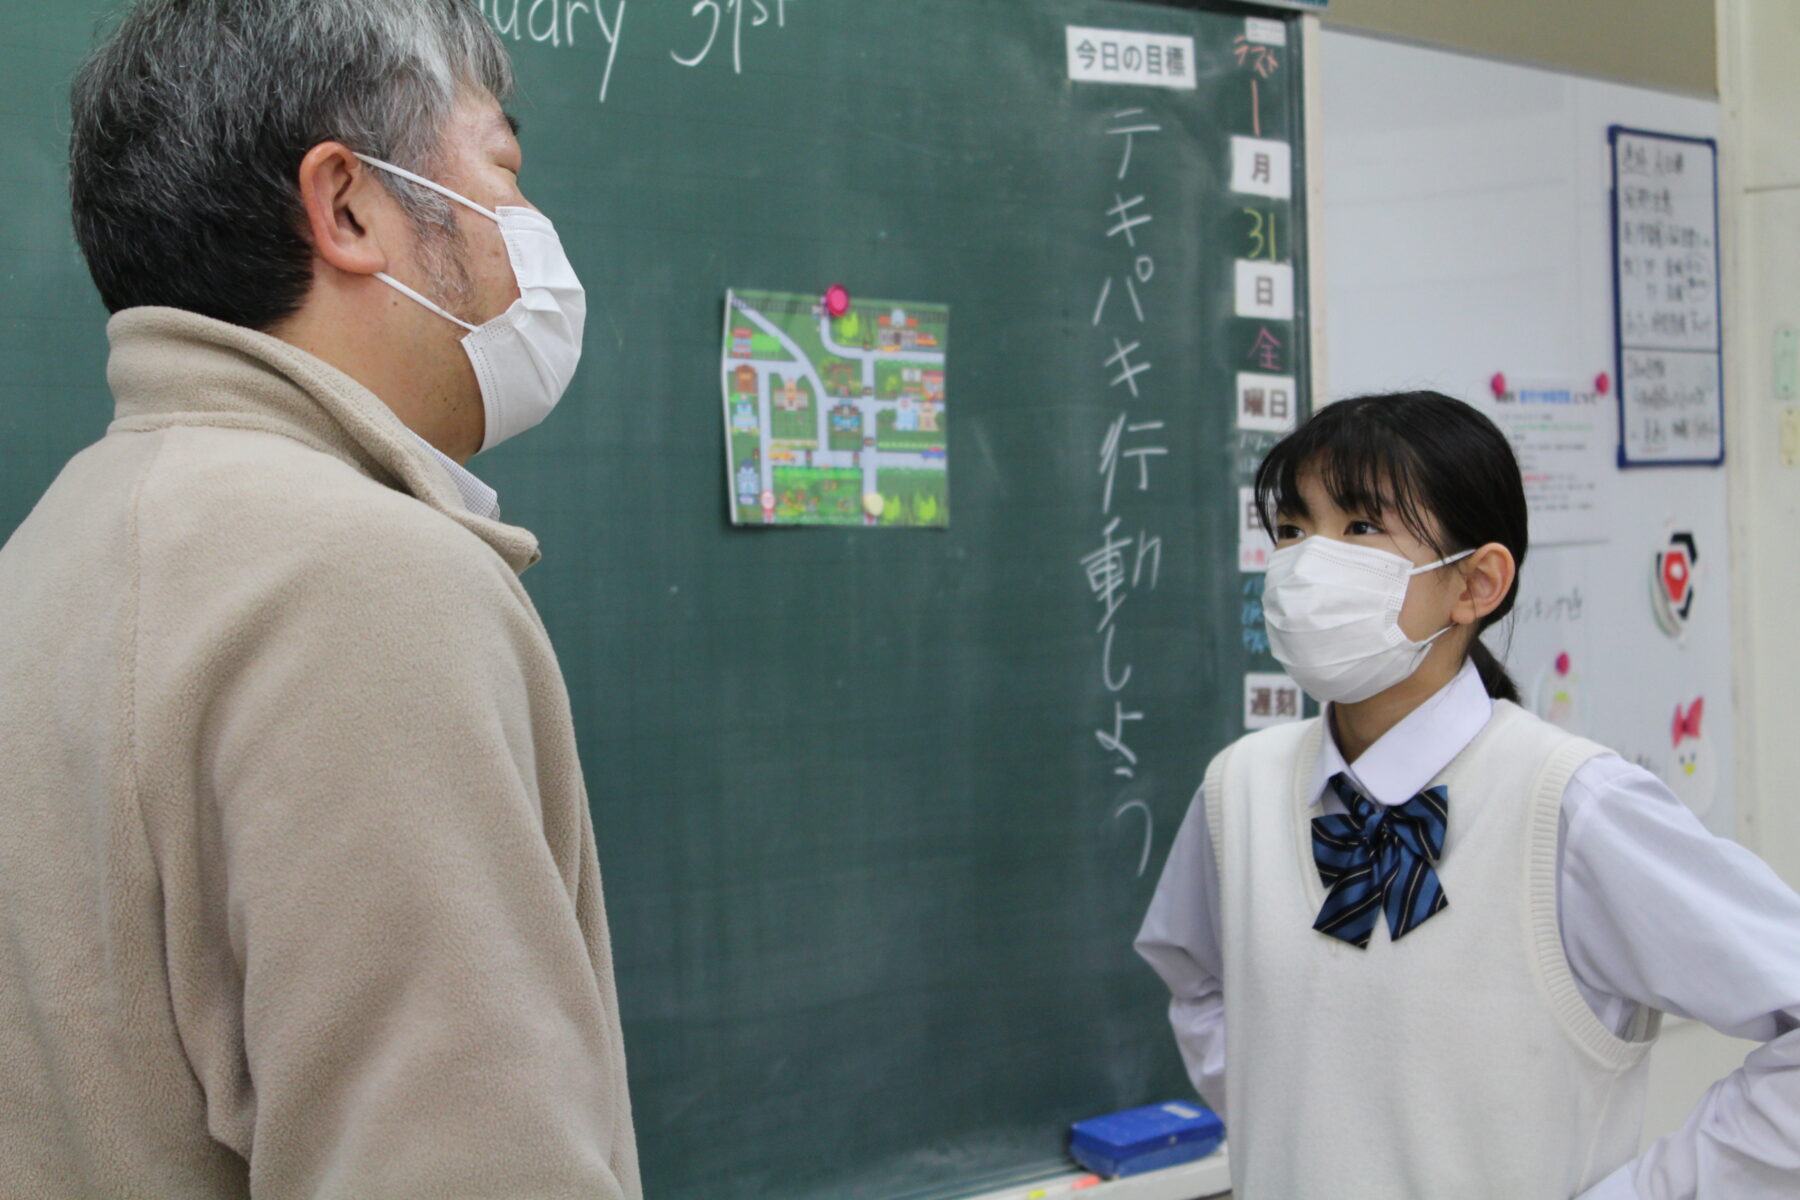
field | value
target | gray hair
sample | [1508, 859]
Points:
[191, 117]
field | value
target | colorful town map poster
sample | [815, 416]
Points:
[835, 420]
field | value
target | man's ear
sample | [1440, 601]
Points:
[1487, 577]
[347, 209]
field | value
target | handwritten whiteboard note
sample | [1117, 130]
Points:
[1666, 278]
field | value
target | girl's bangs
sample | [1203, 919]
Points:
[1362, 467]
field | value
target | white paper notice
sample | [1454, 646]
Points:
[1265, 289]
[1563, 437]
[1265, 32]
[1126, 56]
[1260, 167]
[1254, 544]
[1271, 699]
[1666, 268]
[1266, 402]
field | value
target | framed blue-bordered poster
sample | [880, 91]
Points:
[1668, 324]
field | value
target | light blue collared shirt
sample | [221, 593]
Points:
[477, 496]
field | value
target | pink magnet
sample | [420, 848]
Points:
[1603, 383]
[1498, 383]
[837, 300]
[1562, 663]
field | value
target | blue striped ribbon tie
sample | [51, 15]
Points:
[1376, 859]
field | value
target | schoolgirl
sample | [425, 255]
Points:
[1419, 947]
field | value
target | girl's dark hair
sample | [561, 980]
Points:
[1440, 466]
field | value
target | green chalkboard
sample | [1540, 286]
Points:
[878, 809]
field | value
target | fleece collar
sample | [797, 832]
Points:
[169, 367]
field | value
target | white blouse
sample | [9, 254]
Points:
[1655, 911]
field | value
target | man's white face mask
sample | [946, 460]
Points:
[525, 357]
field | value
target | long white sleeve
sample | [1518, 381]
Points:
[1180, 939]
[1658, 911]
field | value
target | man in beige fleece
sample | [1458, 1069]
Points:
[298, 886]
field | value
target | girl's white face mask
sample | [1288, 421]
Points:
[1333, 614]
[525, 357]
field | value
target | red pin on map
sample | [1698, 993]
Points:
[837, 300]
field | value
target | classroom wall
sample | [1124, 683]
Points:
[1761, 100]
[1670, 43]
[1760, 211]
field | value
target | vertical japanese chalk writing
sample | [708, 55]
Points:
[1262, 235]
[1111, 450]
[1149, 830]
[1126, 561]
[1250, 616]
[1262, 62]
[1266, 350]
[1128, 132]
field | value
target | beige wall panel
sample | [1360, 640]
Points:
[1666, 44]
[1768, 51]
[1767, 519]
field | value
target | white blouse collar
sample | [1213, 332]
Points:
[1411, 754]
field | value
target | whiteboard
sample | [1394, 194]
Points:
[1467, 232]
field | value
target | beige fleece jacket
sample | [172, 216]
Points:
[298, 887]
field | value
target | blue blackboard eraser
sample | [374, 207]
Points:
[1146, 1139]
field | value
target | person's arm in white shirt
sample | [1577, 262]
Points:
[1180, 939]
[1658, 911]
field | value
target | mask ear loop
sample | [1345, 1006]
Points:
[439, 188]
[439, 310]
[444, 191]
[1442, 562]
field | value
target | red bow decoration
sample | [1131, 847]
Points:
[1688, 725]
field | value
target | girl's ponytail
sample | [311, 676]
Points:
[1499, 684]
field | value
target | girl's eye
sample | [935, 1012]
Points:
[1363, 529]
[1289, 533]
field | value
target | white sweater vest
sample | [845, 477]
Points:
[1460, 1063]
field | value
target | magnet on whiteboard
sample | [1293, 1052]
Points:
[1557, 698]
[1498, 384]
[1673, 582]
[837, 300]
[1787, 364]
[1693, 776]
[1603, 383]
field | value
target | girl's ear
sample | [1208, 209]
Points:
[1487, 577]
